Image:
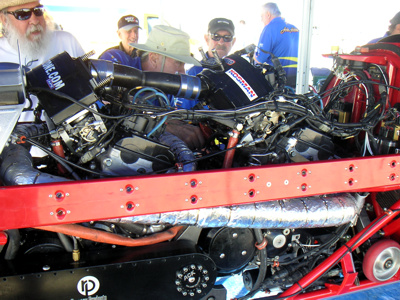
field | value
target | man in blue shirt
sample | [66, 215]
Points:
[128, 32]
[221, 37]
[279, 38]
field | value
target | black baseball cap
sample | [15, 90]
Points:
[128, 22]
[396, 19]
[221, 24]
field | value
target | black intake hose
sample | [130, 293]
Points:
[180, 85]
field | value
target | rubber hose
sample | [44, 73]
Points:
[263, 260]
[110, 238]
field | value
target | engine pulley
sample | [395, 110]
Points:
[230, 248]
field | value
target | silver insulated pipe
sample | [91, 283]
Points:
[309, 212]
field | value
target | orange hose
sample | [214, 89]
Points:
[233, 140]
[111, 238]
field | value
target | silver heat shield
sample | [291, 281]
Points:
[310, 212]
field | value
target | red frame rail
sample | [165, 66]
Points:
[79, 201]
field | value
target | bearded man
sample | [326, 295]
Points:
[26, 32]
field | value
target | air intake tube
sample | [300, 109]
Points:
[180, 85]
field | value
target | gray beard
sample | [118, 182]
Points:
[29, 49]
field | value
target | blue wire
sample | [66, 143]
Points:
[156, 94]
[157, 126]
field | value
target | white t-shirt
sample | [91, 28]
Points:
[60, 41]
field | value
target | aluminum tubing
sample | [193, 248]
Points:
[309, 212]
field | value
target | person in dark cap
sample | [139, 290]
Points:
[394, 28]
[221, 37]
[128, 32]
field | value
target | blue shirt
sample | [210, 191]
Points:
[281, 39]
[120, 57]
[378, 39]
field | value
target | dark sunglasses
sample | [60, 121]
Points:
[216, 37]
[25, 13]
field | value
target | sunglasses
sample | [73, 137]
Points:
[25, 13]
[216, 37]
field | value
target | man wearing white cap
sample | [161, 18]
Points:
[128, 32]
[25, 28]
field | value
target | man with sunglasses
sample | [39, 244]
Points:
[25, 30]
[28, 39]
[221, 37]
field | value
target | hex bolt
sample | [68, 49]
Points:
[108, 162]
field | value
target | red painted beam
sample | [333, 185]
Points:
[71, 202]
